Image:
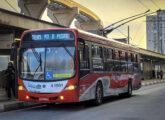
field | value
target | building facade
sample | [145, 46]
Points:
[156, 32]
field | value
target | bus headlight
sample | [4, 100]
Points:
[20, 87]
[62, 97]
[27, 97]
[71, 87]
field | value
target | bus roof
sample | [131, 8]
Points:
[95, 38]
[106, 41]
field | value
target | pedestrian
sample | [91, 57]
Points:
[158, 73]
[10, 80]
[161, 74]
[153, 74]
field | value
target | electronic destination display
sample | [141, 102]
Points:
[49, 36]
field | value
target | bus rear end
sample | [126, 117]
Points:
[48, 66]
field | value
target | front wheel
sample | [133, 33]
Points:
[98, 94]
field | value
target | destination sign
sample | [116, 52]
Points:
[49, 36]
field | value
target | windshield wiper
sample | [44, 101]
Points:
[38, 58]
[68, 51]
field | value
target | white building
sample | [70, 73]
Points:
[156, 32]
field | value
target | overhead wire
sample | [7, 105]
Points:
[142, 4]
[155, 4]
[121, 32]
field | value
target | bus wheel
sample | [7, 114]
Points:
[98, 94]
[129, 93]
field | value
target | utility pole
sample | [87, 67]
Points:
[128, 35]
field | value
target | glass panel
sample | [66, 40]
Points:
[136, 67]
[123, 66]
[32, 64]
[4, 62]
[59, 63]
[123, 56]
[117, 66]
[109, 66]
[54, 62]
[130, 67]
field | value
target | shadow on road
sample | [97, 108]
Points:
[77, 106]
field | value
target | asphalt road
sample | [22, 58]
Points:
[148, 103]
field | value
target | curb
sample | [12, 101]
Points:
[16, 105]
[152, 82]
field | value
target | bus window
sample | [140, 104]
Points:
[117, 55]
[109, 53]
[126, 56]
[105, 53]
[96, 51]
[130, 67]
[100, 52]
[117, 66]
[83, 58]
[129, 57]
[135, 67]
[132, 57]
[136, 58]
[123, 66]
[123, 56]
[97, 59]
[109, 65]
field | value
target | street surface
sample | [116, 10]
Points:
[148, 103]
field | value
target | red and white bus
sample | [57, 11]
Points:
[69, 65]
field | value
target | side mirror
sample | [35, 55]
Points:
[14, 47]
[12, 53]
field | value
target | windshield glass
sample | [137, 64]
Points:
[51, 63]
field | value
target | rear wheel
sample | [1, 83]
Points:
[129, 91]
[98, 94]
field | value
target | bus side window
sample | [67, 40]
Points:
[97, 58]
[130, 67]
[136, 58]
[123, 56]
[83, 58]
[93, 50]
[113, 54]
[129, 57]
[126, 56]
[132, 57]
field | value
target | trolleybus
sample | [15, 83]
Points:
[69, 65]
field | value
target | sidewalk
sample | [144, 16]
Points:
[14, 104]
[152, 81]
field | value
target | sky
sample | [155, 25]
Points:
[110, 11]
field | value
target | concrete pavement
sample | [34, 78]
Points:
[14, 104]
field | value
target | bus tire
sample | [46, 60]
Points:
[98, 94]
[129, 92]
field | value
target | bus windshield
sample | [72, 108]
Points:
[47, 63]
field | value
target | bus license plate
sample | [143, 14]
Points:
[43, 99]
